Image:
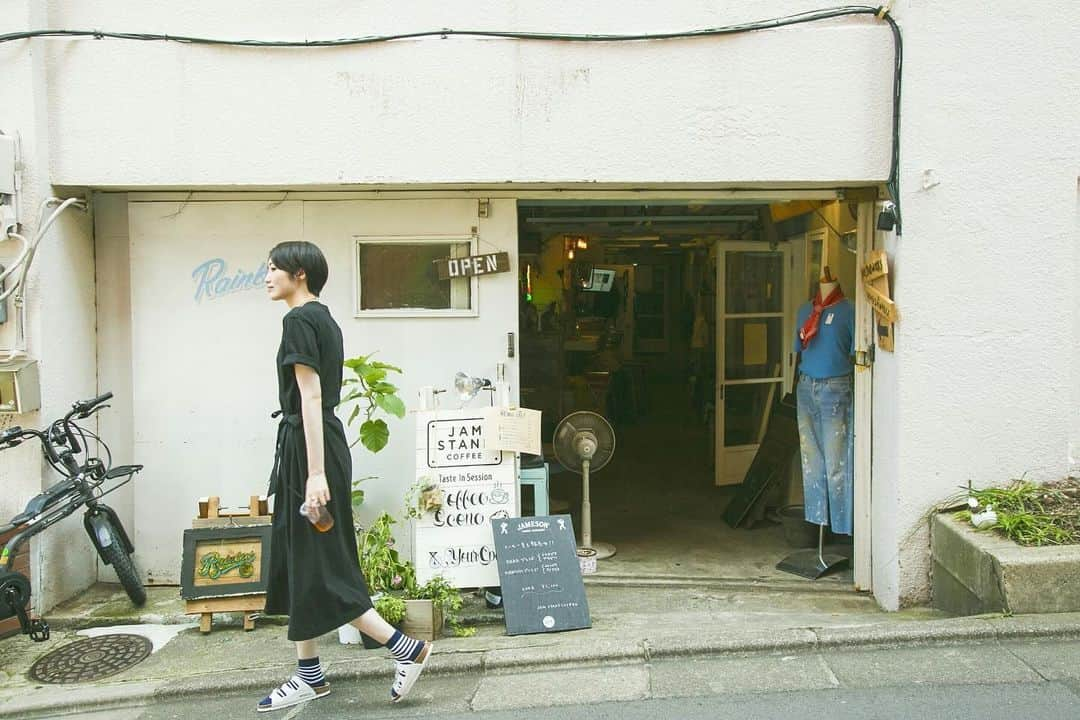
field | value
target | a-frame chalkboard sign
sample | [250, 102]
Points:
[540, 574]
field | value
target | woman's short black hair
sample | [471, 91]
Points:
[296, 255]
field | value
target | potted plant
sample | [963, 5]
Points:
[430, 605]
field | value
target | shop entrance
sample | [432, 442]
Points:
[675, 321]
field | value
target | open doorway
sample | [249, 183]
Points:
[674, 320]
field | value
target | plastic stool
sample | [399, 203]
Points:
[538, 478]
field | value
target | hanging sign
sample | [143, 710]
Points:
[513, 429]
[487, 264]
[478, 486]
[875, 275]
[877, 266]
[883, 306]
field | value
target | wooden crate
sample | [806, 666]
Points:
[22, 564]
[422, 620]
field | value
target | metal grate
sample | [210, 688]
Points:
[91, 659]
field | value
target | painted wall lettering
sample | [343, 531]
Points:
[214, 279]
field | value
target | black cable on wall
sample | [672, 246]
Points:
[882, 12]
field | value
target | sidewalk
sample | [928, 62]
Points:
[631, 624]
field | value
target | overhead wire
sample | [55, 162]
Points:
[881, 12]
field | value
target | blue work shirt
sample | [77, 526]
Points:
[829, 353]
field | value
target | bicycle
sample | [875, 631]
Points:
[81, 486]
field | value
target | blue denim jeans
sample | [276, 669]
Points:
[827, 450]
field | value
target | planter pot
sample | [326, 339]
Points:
[348, 635]
[982, 572]
[422, 620]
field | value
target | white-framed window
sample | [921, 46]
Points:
[396, 276]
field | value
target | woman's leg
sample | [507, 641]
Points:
[372, 624]
[306, 649]
[411, 654]
[308, 683]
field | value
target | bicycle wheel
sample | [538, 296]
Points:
[124, 565]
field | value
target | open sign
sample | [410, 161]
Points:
[487, 264]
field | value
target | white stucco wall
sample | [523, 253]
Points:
[984, 384]
[60, 318]
[787, 105]
[203, 374]
[979, 388]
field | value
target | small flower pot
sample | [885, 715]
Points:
[423, 620]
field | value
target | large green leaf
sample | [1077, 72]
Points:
[374, 434]
[372, 375]
[357, 362]
[385, 366]
[391, 404]
[384, 387]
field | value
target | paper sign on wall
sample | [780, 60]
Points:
[478, 486]
[513, 430]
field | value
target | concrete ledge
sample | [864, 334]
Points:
[981, 572]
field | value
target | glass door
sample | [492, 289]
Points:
[752, 337]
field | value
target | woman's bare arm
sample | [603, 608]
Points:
[307, 380]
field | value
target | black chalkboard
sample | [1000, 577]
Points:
[542, 589]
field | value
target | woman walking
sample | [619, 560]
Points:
[315, 575]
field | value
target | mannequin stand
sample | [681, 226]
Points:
[812, 563]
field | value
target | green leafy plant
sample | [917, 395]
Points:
[371, 392]
[382, 566]
[447, 598]
[1031, 514]
[391, 608]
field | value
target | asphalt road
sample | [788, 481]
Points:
[1028, 680]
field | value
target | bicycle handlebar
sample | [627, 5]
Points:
[62, 427]
[84, 408]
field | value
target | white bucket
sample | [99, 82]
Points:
[349, 635]
[587, 560]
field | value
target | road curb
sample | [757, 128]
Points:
[601, 650]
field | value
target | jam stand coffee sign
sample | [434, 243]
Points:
[478, 486]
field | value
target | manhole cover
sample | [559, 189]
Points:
[91, 659]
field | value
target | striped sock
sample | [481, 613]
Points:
[403, 647]
[311, 672]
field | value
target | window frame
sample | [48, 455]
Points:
[472, 242]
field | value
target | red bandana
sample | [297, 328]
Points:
[810, 327]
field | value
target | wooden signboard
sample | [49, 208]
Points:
[473, 265]
[479, 484]
[875, 275]
[225, 561]
[540, 575]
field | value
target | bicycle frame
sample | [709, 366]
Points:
[78, 489]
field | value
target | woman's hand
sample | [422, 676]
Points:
[317, 491]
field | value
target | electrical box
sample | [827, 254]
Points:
[20, 391]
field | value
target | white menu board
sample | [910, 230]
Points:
[478, 486]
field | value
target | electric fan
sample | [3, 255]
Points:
[584, 442]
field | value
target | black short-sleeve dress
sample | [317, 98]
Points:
[314, 577]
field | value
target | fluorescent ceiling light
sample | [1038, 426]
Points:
[617, 219]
